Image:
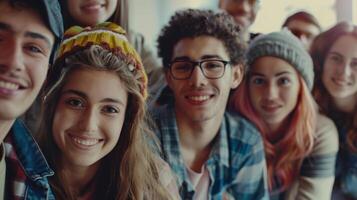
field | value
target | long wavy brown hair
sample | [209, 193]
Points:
[131, 169]
[285, 156]
[319, 51]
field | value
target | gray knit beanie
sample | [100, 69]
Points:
[286, 46]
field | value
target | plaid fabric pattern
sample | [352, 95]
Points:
[26, 168]
[14, 172]
[236, 166]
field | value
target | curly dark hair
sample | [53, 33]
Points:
[193, 23]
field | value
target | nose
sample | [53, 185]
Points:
[88, 120]
[271, 91]
[345, 69]
[197, 78]
[11, 57]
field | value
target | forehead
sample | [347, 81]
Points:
[199, 47]
[303, 26]
[96, 84]
[21, 20]
[346, 45]
[269, 65]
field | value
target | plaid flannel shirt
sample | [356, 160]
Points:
[26, 167]
[236, 165]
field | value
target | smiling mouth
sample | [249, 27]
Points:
[340, 83]
[270, 108]
[87, 142]
[9, 86]
[93, 7]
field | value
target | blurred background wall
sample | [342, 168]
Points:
[148, 16]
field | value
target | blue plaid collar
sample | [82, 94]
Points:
[170, 137]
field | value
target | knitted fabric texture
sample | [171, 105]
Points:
[286, 46]
[109, 36]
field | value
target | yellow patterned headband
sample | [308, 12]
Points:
[110, 36]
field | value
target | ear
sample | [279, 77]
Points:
[168, 77]
[237, 75]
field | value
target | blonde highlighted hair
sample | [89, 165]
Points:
[285, 156]
[131, 169]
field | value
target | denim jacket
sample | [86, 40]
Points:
[26, 167]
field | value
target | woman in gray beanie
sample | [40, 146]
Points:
[334, 54]
[300, 144]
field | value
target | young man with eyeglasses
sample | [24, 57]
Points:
[215, 155]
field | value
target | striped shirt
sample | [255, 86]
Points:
[236, 165]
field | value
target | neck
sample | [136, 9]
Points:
[79, 178]
[196, 139]
[5, 126]
[346, 105]
[277, 131]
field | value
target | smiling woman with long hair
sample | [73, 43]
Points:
[93, 130]
[334, 53]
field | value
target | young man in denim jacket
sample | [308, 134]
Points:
[30, 31]
[215, 155]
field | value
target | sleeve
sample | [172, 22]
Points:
[318, 169]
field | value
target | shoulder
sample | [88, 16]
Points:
[167, 178]
[241, 129]
[157, 112]
[326, 138]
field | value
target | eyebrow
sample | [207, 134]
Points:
[34, 35]
[278, 74]
[335, 53]
[202, 57]
[83, 95]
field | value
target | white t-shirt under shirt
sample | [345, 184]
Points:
[2, 170]
[200, 182]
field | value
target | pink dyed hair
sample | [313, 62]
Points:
[284, 158]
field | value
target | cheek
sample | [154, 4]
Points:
[73, 7]
[112, 5]
[291, 96]
[114, 127]
[327, 72]
[57, 129]
[254, 95]
[62, 120]
[38, 75]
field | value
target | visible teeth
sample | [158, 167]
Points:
[8, 85]
[199, 98]
[341, 82]
[87, 142]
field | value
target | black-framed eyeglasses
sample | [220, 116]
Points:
[211, 69]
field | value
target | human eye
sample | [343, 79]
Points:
[284, 81]
[37, 48]
[336, 59]
[354, 64]
[182, 66]
[74, 103]
[257, 81]
[213, 65]
[34, 49]
[109, 109]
